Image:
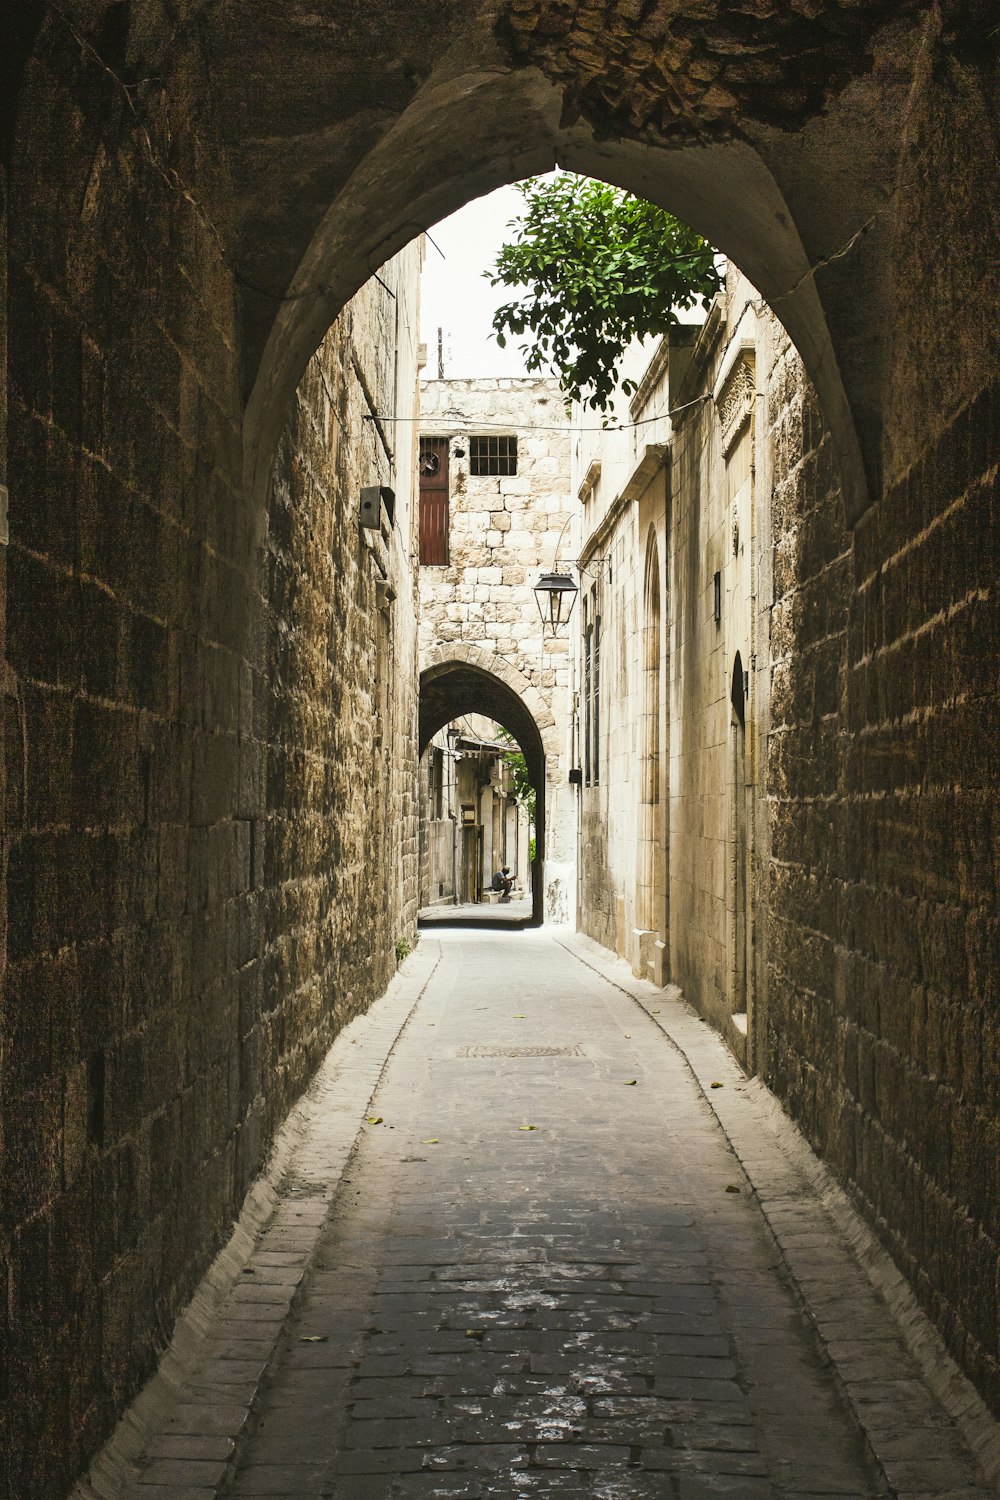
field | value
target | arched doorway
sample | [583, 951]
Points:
[151, 231]
[651, 895]
[455, 684]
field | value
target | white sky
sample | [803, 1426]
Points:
[456, 297]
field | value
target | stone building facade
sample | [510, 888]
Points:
[670, 808]
[216, 760]
[763, 735]
[496, 503]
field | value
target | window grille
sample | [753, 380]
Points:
[492, 455]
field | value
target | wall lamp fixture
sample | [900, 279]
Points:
[556, 592]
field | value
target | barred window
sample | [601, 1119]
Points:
[492, 455]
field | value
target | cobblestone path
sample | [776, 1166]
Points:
[545, 1274]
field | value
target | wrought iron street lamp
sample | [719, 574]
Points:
[555, 595]
[555, 592]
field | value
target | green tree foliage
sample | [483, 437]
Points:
[597, 268]
[523, 789]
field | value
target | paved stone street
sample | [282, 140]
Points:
[476, 913]
[546, 1273]
[570, 1251]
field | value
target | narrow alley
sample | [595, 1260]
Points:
[572, 1251]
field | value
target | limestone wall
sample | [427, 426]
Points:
[718, 694]
[503, 533]
[621, 478]
[209, 730]
[869, 776]
[884, 937]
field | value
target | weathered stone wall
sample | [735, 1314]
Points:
[718, 526]
[340, 691]
[874, 937]
[189, 688]
[883, 927]
[617, 510]
[668, 837]
[503, 534]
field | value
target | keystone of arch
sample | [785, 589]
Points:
[442, 659]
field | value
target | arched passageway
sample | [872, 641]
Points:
[452, 686]
[188, 200]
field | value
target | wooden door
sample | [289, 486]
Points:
[434, 519]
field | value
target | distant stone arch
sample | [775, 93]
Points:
[460, 679]
[444, 660]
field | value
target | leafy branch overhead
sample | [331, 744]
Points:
[596, 269]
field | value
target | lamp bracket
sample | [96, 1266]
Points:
[591, 566]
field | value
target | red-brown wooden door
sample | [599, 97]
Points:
[434, 520]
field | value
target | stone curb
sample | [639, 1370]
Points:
[840, 1271]
[178, 1438]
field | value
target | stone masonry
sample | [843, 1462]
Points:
[870, 926]
[503, 533]
[210, 729]
[189, 197]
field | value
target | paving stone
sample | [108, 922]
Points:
[279, 1479]
[566, 1311]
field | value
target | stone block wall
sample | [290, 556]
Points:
[883, 933]
[875, 943]
[669, 864]
[209, 739]
[503, 534]
[610, 799]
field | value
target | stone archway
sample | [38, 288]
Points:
[462, 679]
[790, 208]
[187, 198]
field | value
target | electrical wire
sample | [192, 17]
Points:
[453, 418]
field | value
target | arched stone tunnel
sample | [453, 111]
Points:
[458, 683]
[190, 196]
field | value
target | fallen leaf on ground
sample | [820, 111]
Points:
[373, 1119]
[527, 1127]
[630, 1081]
[313, 1338]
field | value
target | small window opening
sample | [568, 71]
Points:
[492, 456]
[737, 691]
